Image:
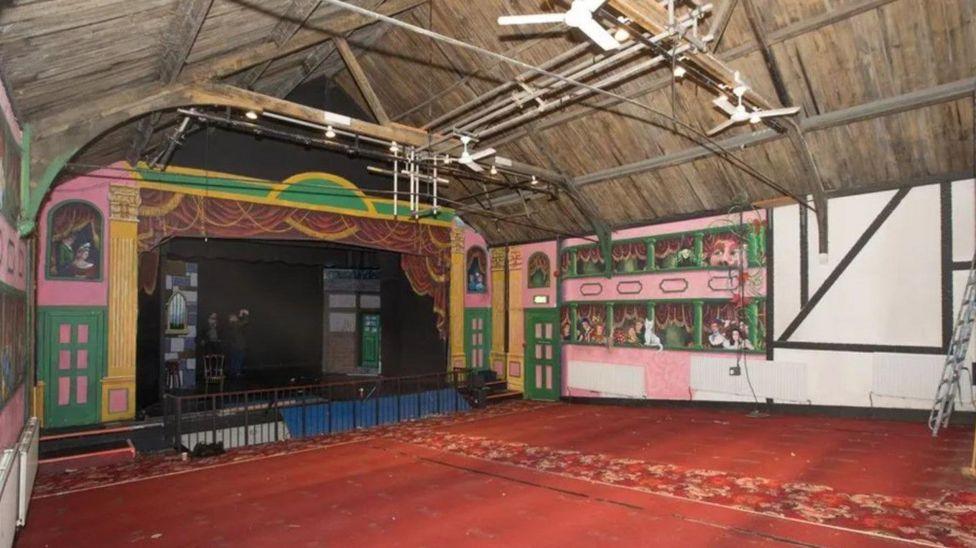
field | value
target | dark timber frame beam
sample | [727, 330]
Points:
[882, 107]
[786, 33]
[175, 48]
[814, 182]
[295, 16]
[362, 81]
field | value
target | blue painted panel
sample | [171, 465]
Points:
[341, 416]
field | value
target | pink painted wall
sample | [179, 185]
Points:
[549, 248]
[667, 374]
[476, 300]
[12, 418]
[648, 286]
[92, 188]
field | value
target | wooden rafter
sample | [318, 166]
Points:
[882, 107]
[814, 182]
[295, 16]
[340, 25]
[789, 32]
[175, 48]
[720, 21]
[362, 81]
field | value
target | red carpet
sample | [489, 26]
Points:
[609, 458]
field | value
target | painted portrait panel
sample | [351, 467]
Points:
[539, 270]
[477, 270]
[74, 242]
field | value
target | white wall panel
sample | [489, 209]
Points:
[848, 217]
[785, 382]
[786, 263]
[963, 220]
[891, 293]
[613, 381]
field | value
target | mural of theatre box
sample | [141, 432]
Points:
[75, 244]
[477, 270]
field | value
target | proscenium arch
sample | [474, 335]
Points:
[59, 138]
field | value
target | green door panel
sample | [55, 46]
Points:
[369, 327]
[71, 361]
[477, 337]
[542, 366]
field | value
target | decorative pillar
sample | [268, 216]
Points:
[456, 300]
[119, 384]
[752, 321]
[698, 323]
[498, 319]
[609, 322]
[699, 254]
[651, 259]
[515, 358]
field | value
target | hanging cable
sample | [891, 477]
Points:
[696, 135]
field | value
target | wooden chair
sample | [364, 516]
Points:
[213, 371]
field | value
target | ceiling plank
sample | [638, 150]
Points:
[814, 182]
[340, 25]
[175, 48]
[362, 81]
[720, 21]
[874, 109]
[789, 32]
[295, 16]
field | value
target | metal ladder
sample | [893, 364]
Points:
[945, 395]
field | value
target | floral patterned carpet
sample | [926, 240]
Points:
[947, 520]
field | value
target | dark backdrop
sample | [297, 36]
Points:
[285, 301]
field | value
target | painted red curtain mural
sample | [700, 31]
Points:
[424, 248]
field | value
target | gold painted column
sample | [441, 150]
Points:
[516, 322]
[456, 300]
[498, 260]
[119, 384]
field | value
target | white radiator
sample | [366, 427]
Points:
[784, 382]
[28, 451]
[9, 495]
[909, 380]
[612, 381]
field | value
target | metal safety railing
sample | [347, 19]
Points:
[253, 417]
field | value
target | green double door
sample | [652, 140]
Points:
[542, 370]
[71, 358]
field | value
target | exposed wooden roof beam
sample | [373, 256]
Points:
[720, 21]
[786, 33]
[814, 182]
[175, 48]
[295, 16]
[340, 25]
[362, 81]
[882, 107]
[653, 18]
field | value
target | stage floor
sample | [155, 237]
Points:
[542, 475]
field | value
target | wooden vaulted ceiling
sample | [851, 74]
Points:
[885, 86]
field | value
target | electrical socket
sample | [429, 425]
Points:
[735, 371]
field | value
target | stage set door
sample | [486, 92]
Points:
[477, 333]
[369, 345]
[73, 354]
[542, 380]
